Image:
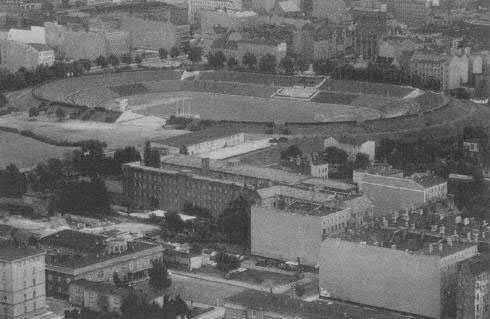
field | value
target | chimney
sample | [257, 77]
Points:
[431, 248]
[205, 166]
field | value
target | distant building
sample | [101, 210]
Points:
[73, 255]
[473, 293]
[412, 12]
[334, 10]
[290, 224]
[472, 145]
[15, 55]
[370, 18]
[97, 296]
[352, 146]
[259, 304]
[287, 8]
[33, 35]
[398, 51]
[449, 70]
[199, 143]
[197, 6]
[22, 286]
[391, 193]
[396, 270]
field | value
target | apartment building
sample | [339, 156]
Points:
[15, 55]
[97, 296]
[33, 35]
[22, 284]
[197, 6]
[449, 70]
[74, 255]
[333, 10]
[397, 270]
[412, 12]
[370, 18]
[290, 224]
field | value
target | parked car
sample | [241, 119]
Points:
[291, 265]
[234, 272]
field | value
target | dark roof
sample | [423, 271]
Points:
[351, 140]
[286, 306]
[12, 253]
[199, 137]
[41, 47]
[429, 180]
[76, 240]
[6, 230]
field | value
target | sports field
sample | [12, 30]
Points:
[244, 108]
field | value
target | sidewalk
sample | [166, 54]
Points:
[220, 280]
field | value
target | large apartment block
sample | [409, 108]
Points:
[15, 55]
[22, 284]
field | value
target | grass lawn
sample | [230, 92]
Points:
[26, 152]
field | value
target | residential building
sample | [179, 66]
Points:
[290, 224]
[34, 35]
[398, 51]
[450, 71]
[352, 146]
[73, 255]
[370, 18]
[393, 269]
[412, 12]
[473, 289]
[472, 145]
[181, 258]
[97, 296]
[15, 55]
[197, 6]
[333, 10]
[200, 142]
[86, 45]
[393, 193]
[259, 304]
[287, 8]
[22, 284]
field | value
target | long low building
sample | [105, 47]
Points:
[73, 255]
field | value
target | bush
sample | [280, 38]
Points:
[226, 262]
[299, 291]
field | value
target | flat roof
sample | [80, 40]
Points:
[312, 209]
[10, 253]
[292, 307]
[102, 287]
[291, 192]
[329, 183]
[199, 136]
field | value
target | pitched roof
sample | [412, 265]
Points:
[13, 253]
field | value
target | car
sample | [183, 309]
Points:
[234, 272]
[291, 265]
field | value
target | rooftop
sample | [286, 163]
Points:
[312, 209]
[288, 307]
[383, 170]
[10, 253]
[198, 137]
[41, 47]
[301, 194]
[102, 287]
[428, 180]
[417, 182]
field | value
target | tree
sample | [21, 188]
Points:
[159, 277]
[12, 182]
[82, 198]
[113, 60]
[234, 221]
[232, 63]
[60, 113]
[117, 281]
[334, 155]
[301, 65]
[33, 111]
[173, 222]
[138, 59]
[163, 53]
[3, 99]
[122, 156]
[287, 65]
[87, 64]
[174, 52]
[225, 262]
[267, 63]
[151, 157]
[250, 60]
[291, 151]
[126, 59]
[195, 54]
[216, 60]
[361, 161]
[101, 61]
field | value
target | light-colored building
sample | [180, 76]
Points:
[290, 224]
[199, 143]
[393, 193]
[449, 70]
[412, 12]
[197, 6]
[33, 35]
[22, 285]
[352, 146]
[399, 51]
[73, 255]
[397, 270]
[97, 296]
[333, 10]
[15, 55]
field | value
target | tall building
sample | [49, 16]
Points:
[196, 6]
[73, 255]
[333, 10]
[412, 12]
[22, 284]
[473, 289]
[15, 55]
[370, 18]
[290, 224]
[408, 272]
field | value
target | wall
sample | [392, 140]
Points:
[34, 35]
[285, 236]
[14, 55]
[380, 277]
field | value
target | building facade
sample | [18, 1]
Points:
[73, 255]
[22, 284]
[97, 296]
[192, 146]
[15, 55]
[196, 6]
[412, 12]
[34, 35]
[370, 19]
[420, 280]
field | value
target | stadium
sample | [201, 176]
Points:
[306, 105]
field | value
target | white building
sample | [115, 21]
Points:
[352, 146]
[22, 285]
[34, 35]
[15, 55]
[196, 6]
